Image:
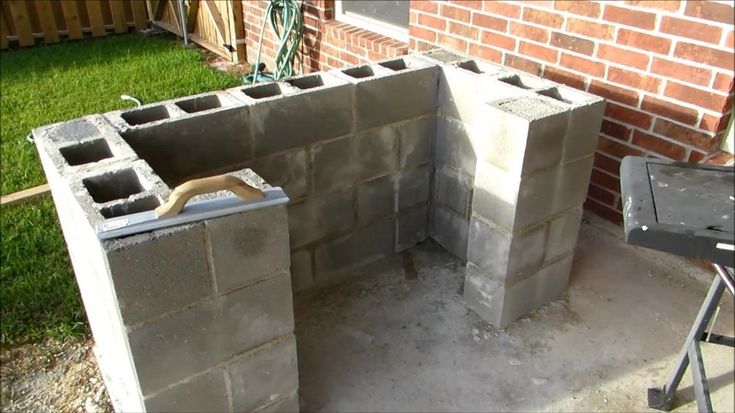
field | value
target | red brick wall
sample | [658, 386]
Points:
[665, 67]
[326, 44]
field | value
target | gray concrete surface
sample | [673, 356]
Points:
[380, 342]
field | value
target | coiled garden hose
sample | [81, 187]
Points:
[287, 24]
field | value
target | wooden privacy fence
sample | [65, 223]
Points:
[214, 24]
[25, 21]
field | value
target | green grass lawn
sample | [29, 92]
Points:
[47, 84]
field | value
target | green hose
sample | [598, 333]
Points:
[287, 24]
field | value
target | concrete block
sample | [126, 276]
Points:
[374, 152]
[333, 165]
[501, 305]
[414, 187]
[384, 96]
[495, 195]
[248, 246]
[585, 119]
[450, 230]
[415, 139]
[304, 117]
[521, 135]
[285, 169]
[548, 284]
[287, 405]
[563, 232]
[159, 274]
[453, 190]
[319, 217]
[484, 295]
[442, 56]
[464, 85]
[453, 147]
[376, 199]
[268, 374]
[206, 392]
[172, 348]
[516, 203]
[227, 147]
[572, 182]
[504, 255]
[301, 274]
[341, 162]
[412, 227]
[357, 248]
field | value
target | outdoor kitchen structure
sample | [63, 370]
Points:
[336, 169]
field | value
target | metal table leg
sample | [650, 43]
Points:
[661, 399]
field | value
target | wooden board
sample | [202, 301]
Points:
[96, 19]
[118, 16]
[25, 195]
[22, 22]
[48, 22]
[71, 18]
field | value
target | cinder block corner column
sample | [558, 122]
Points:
[527, 201]
[209, 312]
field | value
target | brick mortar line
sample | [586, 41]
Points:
[646, 150]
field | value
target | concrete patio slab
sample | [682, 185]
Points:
[381, 342]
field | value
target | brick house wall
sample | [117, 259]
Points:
[665, 67]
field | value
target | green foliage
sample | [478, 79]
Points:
[48, 84]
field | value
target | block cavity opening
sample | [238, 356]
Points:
[86, 152]
[147, 115]
[395, 65]
[524, 82]
[564, 95]
[263, 91]
[139, 205]
[307, 82]
[200, 104]
[359, 72]
[471, 66]
[113, 185]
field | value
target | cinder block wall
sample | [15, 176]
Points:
[666, 67]
[351, 148]
[492, 163]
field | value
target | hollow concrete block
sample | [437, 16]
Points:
[302, 116]
[453, 146]
[225, 326]
[585, 119]
[376, 199]
[320, 216]
[501, 305]
[521, 135]
[357, 248]
[563, 233]
[384, 96]
[453, 190]
[267, 374]
[286, 169]
[414, 186]
[450, 230]
[415, 138]
[412, 227]
[248, 246]
[158, 273]
[301, 274]
[206, 392]
[505, 256]
[464, 85]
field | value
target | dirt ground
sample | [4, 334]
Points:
[52, 376]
